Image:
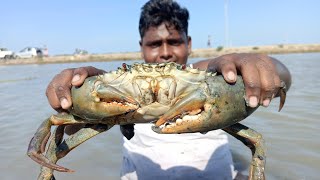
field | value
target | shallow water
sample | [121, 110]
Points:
[291, 135]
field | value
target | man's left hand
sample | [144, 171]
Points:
[258, 71]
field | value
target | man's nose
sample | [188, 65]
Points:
[166, 53]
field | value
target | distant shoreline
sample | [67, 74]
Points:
[196, 53]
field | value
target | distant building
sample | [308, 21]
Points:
[45, 51]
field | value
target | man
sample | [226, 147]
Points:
[163, 29]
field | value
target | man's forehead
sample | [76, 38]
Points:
[163, 30]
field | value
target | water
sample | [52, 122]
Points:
[291, 135]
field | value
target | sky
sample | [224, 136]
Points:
[112, 26]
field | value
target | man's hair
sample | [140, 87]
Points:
[156, 12]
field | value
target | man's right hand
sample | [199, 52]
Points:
[59, 89]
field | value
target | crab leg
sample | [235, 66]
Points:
[56, 138]
[39, 140]
[37, 146]
[57, 150]
[80, 137]
[255, 142]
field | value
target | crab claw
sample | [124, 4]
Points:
[37, 146]
[109, 94]
[188, 104]
[100, 102]
[112, 101]
[213, 116]
[220, 104]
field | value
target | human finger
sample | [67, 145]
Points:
[58, 90]
[80, 74]
[277, 80]
[251, 80]
[52, 98]
[267, 78]
[226, 67]
[229, 72]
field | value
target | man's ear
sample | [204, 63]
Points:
[141, 52]
[189, 45]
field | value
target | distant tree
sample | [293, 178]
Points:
[219, 48]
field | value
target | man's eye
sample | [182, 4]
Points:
[175, 43]
[155, 44]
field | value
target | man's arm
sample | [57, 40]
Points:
[262, 74]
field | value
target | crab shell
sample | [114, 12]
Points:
[181, 99]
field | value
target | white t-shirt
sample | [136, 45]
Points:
[149, 155]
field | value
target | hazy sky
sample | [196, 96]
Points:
[112, 26]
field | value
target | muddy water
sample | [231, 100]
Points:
[291, 135]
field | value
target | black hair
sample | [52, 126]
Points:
[156, 12]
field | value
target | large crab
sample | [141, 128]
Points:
[176, 98]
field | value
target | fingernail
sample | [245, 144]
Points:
[64, 103]
[266, 102]
[76, 78]
[253, 101]
[231, 76]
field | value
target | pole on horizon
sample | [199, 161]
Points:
[209, 42]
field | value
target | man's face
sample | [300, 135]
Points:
[165, 44]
